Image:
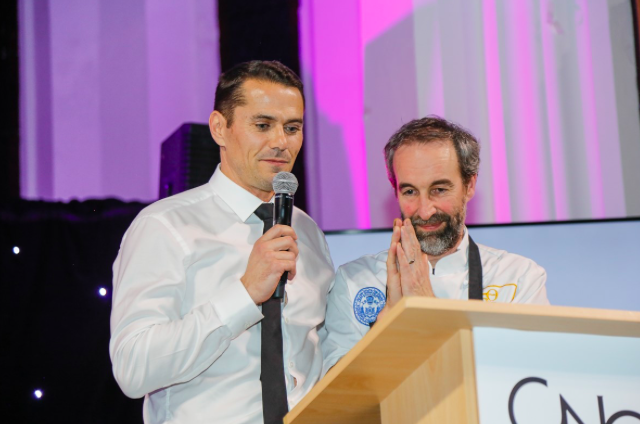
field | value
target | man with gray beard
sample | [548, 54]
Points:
[432, 165]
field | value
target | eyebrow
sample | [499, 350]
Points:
[435, 183]
[405, 185]
[263, 117]
[272, 118]
[442, 182]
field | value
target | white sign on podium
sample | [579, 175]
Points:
[527, 377]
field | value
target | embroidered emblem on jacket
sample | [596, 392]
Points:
[367, 304]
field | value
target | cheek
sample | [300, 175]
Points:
[407, 207]
[255, 148]
[449, 206]
[295, 144]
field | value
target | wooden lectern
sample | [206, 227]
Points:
[417, 364]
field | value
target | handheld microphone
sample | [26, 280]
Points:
[285, 185]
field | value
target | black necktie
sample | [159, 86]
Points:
[274, 392]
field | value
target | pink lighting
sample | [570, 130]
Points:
[379, 16]
[499, 169]
[336, 83]
[525, 133]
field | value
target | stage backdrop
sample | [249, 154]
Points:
[548, 86]
[103, 83]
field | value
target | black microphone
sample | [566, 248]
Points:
[285, 185]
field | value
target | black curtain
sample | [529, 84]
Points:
[9, 104]
[54, 258]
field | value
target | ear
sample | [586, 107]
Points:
[217, 126]
[471, 187]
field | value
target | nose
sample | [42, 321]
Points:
[279, 140]
[426, 207]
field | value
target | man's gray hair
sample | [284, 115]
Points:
[434, 128]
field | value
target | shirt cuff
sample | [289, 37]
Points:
[236, 309]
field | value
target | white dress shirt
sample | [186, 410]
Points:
[506, 277]
[184, 331]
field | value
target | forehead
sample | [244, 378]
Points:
[420, 163]
[259, 95]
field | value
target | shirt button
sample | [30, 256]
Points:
[290, 364]
[286, 320]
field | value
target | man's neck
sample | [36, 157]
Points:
[434, 259]
[265, 196]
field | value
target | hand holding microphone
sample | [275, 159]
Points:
[273, 258]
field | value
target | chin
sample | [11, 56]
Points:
[273, 168]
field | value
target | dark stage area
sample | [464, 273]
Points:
[56, 277]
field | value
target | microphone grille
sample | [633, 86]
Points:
[285, 182]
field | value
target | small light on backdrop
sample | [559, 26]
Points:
[38, 394]
[16, 250]
[102, 291]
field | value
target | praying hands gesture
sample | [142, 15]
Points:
[407, 266]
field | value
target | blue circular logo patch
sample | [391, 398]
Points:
[367, 305]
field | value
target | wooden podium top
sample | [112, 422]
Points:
[416, 328]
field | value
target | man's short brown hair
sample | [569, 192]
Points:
[229, 89]
[434, 128]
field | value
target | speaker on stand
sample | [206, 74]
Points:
[189, 157]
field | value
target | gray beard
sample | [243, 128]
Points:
[438, 242]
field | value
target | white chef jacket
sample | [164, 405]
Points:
[184, 331]
[359, 292]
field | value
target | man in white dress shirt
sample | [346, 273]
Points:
[433, 167]
[194, 271]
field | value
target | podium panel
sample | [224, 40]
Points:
[538, 377]
[420, 364]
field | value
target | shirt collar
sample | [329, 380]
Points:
[458, 260]
[241, 202]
